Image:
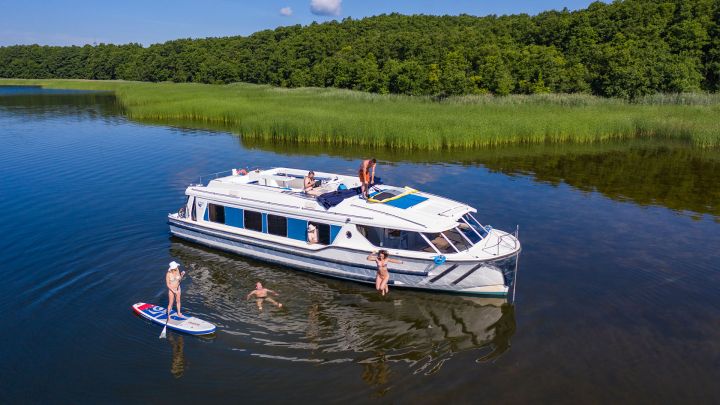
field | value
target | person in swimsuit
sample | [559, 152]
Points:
[261, 294]
[309, 183]
[381, 259]
[172, 280]
[366, 173]
[312, 234]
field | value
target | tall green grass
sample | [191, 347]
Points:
[350, 118]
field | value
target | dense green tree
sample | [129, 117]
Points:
[621, 49]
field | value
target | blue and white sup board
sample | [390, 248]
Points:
[158, 315]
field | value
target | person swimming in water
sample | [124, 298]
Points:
[366, 173]
[261, 294]
[172, 280]
[381, 259]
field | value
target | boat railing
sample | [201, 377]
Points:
[510, 240]
[206, 178]
[212, 176]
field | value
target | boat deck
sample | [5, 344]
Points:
[388, 206]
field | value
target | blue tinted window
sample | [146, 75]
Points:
[234, 217]
[297, 229]
[334, 230]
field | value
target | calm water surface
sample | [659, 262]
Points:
[617, 296]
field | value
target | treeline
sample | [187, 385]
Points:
[625, 49]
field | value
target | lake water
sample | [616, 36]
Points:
[617, 296]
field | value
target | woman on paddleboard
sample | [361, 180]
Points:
[172, 280]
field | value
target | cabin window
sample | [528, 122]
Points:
[277, 225]
[193, 214]
[253, 220]
[323, 231]
[234, 217]
[297, 229]
[395, 239]
[216, 213]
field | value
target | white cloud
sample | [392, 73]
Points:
[286, 11]
[325, 7]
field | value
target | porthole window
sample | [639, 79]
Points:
[348, 234]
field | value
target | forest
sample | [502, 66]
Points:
[624, 49]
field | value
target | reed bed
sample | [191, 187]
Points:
[351, 118]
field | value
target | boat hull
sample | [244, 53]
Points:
[487, 278]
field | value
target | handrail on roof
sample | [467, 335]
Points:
[214, 176]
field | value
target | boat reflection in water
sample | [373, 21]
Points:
[331, 321]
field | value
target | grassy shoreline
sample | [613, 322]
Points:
[349, 118]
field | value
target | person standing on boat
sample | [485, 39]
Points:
[366, 173]
[261, 294]
[172, 280]
[381, 259]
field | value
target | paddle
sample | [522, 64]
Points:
[163, 334]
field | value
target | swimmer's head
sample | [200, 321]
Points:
[258, 285]
[383, 253]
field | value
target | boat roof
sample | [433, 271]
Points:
[281, 190]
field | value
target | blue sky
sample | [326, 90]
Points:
[53, 22]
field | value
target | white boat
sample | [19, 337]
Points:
[265, 214]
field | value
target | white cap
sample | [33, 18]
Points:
[174, 265]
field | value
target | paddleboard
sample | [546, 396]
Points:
[188, 324]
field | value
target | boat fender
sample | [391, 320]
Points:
[439, 260]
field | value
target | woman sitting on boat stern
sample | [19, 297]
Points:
[172, 280]
[381, 259]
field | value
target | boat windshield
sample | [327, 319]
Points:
[467, 233]
[450, 241]
[394, 239]
[471, 228]
[453, 240]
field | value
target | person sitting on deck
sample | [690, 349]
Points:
[366, 177]
[310, 184]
